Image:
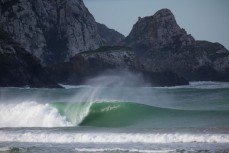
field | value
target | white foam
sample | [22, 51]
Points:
[199, 85]
[30, 114]
[209, 85]
[112, 137]
[4, 149]
[121, 150]
[74, 86]
[109, 108]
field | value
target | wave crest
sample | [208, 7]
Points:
[30, 114]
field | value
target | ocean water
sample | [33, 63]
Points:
[84, 119]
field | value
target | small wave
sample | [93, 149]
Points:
[209, 85]
[199, 85]
[74, 86]
[107, 138]
[122, 150]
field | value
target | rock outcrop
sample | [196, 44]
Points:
[115, 60]
[161, 45]
[157, 32]
[18, 68]
[91, 63]
[53, 30]
[110, 37]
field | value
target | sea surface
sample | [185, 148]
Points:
[88, 119]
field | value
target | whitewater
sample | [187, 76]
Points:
[192, 118]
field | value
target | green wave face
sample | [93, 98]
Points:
[117, 114]
[121, 114]
[74, 112]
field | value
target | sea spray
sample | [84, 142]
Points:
[87, 96]
[74, 113]
[84, 99]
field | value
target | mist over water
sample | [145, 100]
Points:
[118, 78]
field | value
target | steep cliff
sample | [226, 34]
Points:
[18, 68]
[53, 30]
[161, 45]
[110, 37]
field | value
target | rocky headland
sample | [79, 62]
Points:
[161, 45]
[63, 39]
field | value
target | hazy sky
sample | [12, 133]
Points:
[204, 19]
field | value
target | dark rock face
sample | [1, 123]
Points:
[161, 45]
[18, 68]
[110, 36]
[157, 32]
[87, 65]
[211, 62]
[53, 30]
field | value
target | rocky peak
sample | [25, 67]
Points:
[158, 31]
[164, 14]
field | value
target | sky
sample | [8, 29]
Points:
[203, 19]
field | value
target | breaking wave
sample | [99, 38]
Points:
[30, 114]
[106, 114]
